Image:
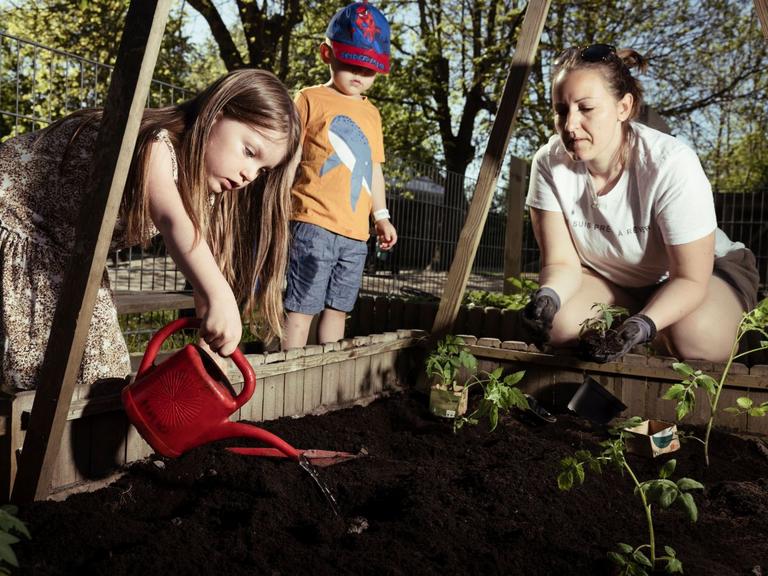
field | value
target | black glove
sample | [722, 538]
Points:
[637, 329]
[539, 312]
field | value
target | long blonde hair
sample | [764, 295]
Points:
[247, 229]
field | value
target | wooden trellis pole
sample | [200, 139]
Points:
[511, 97]
[128, 90]
[761, 7]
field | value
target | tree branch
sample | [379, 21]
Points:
[227, 49]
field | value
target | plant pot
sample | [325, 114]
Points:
[448, 403]
[593, 402]
[652, 438]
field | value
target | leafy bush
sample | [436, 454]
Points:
[516, 301]
[9, 526]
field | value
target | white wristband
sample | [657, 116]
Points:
[381, 215]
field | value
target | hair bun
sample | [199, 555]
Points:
[633, 59]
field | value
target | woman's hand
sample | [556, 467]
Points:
[539, 312]
[635, 330]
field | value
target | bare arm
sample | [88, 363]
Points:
[385, 231]
[560, 264]
[221, 323]
[690, 270]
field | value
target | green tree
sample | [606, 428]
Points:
[91, 31]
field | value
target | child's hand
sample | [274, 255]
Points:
[385, 234]
[221, 326]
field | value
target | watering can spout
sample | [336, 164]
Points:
[278, 447]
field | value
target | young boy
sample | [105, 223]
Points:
[340, 183]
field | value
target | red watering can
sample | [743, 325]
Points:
[186, 401]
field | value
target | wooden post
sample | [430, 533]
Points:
[511, 97]
[128, 90]
[761, 7]
[513, 237]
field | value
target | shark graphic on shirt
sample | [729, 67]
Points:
[351, 149]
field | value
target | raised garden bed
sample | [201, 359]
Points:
[424, 501]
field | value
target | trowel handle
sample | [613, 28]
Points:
[249, 378]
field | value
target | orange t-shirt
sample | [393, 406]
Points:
[341, 141]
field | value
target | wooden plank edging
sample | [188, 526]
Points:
[738, 378]
[264, 365]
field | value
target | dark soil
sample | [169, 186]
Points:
[424, 501]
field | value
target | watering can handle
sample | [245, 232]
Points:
[249, 378]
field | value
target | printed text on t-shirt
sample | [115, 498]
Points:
[605, 228]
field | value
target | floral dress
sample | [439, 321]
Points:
[43, 179]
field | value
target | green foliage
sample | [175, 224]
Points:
[443, 363]
[41, 85]
[633, 562]
[517, 301]
[605, 317]
[499, 394]
[661, 491]
[139, 329]
[10, 526]
[684, 392]
[745, 405]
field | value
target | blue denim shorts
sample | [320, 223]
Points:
[325, 270]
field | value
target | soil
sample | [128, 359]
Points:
[423, 501]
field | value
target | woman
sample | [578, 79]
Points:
[624, 215]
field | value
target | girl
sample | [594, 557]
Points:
[624, 214]
[212, 175]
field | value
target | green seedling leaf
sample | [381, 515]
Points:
[668, 496]
[683, 369]
[683, 408]
[668, 468]
[758, 411]
[687, 484]
[641, 558]
[675, 392]
[674, 566]
[7, 554]
[733, 410]
[616, 559]
[744, 402]
[625, 548]
[628, 423]
[670, 551]
[708, 383]
[689, 504]
[565, 480]
[9, 521]
[494, 417]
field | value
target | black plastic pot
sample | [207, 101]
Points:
[593, 402]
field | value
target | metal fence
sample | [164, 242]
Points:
[39, 84]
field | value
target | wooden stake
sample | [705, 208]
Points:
[128, 90]
[761, 7]
[513, 237]
[522, 61]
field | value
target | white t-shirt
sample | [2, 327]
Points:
[663, 198]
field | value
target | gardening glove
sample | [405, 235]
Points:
[637, 329]
[539, 313]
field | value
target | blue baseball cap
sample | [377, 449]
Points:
[359, 35]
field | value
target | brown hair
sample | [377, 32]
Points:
[615, 68]
[247, 229]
